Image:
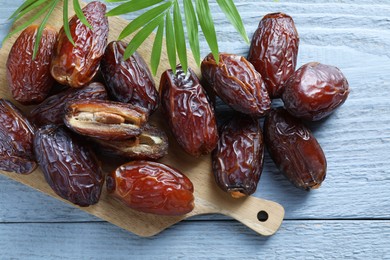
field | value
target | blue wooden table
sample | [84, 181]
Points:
[348, 217]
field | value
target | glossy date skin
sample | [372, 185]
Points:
[70, 168]
[152, 187]
[237, 83]
[274, 51]
[151, 144]
[128, 81]
[103, 119]
[294, 150]
[52, 110]
[188, 111]
[238, 159]
[16, 140]
[29, 79]
[314, 91]
[76, 65]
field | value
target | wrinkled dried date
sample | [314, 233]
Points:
[30, 80]
[152, 187]
[103, 119]
[237, 83]
[238, 159]
[52, 110]
[189, 113]
[70, 169]
[294, 150]
[128, 81]
[274, 51]
[76, 65]
[151, 144]
[314, 91]
[16, 140]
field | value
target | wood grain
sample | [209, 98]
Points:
[324, 224]
[208, 198]
[209, 240]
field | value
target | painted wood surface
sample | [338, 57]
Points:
[353, 35]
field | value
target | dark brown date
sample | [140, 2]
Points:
[314, 91]
[188, 111]
[29, 79]
[237, 83]
[70, 168]
[16, 140]
[128, 81]
[238, 159]
[76, 65]
[152, 187]
[151, 144]
[103, 119]
[274, 51]
[294, 150]
[52, 110]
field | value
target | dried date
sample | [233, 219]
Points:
[151, 144]
[29, 79]
[274, 51]
[76, 65]
[70, 168]
[189, 113]
[152, 187]
[103, 119]
[237, 83]
[128, 81]
[314, 91]
[16, 140]
[294, 150]
[52, 110]
[238, 159]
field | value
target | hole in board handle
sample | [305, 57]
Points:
[262, 216]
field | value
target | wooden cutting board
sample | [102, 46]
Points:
[251, 211]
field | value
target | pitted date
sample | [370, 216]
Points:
[29, 79]
[70, 168]
[238, 159]
[314, 91]
[151, 144]
[152, 187]
[294, 150]
[128, 81]
[188, 111]
[16, 140]
[237, 83]
[52, 110]
[76, 65]
[274, 51]
[103, 119]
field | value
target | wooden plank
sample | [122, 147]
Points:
[356, 139]
[216, 240]
[208, 198]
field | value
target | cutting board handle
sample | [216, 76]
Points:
[262, 216]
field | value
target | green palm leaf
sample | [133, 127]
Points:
[144, 19]
[207, 25]
[66, 23]
[80, 14]
[157, 48]
[141, 36]
[42, 27]
[192, 29]
[179, 36]
[158, 14]
[25, 5]
[170, 42]
[234, 17]
[132, 6]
